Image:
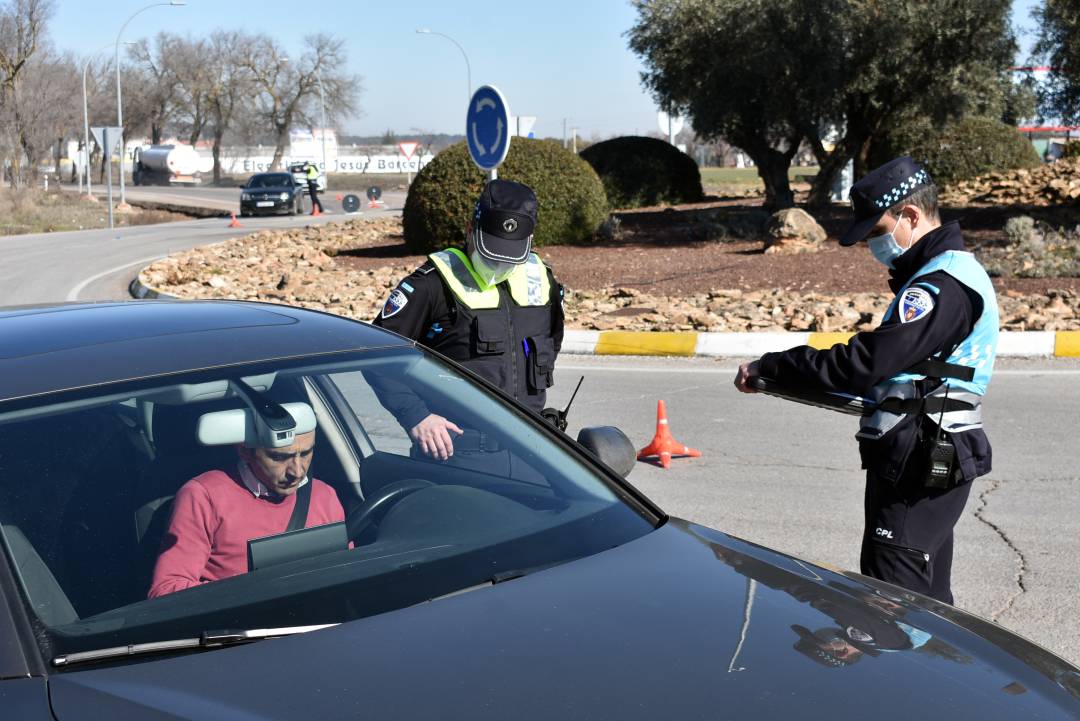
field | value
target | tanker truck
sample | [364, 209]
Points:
[165, 165]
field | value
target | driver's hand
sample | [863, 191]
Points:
[433, 437]
[746, 372]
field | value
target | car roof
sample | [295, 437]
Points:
[66, 346]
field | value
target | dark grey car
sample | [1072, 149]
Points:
[522, 579]
[265, 193]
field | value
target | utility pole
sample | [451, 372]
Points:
[574, 134]
[564, 133]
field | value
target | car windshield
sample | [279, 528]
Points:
[270, 180]
[157, 509]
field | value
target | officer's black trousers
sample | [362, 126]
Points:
[313, 191]
[908, 539]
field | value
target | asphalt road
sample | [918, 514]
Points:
[773, 472]
[787, 476]
[228, 199]
[99, 264]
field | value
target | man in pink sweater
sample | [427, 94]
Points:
[215, 514]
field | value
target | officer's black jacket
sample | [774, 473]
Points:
[430, 305]
[873, 356]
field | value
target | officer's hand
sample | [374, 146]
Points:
[433, 436]
[746, 372]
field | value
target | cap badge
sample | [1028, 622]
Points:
[509, 225]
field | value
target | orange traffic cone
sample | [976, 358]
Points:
[315, 211]
[663, 445]
[234, 223]
[339, 197]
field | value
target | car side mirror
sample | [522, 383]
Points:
[610, 446]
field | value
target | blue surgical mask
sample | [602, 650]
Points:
[884, 248]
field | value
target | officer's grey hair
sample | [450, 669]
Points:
[925, 199]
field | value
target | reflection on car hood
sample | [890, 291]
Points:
[685, 622]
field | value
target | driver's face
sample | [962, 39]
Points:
[282, 469]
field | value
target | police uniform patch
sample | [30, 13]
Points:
[915, 303]
[395, 303]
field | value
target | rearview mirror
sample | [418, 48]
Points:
[610, 446]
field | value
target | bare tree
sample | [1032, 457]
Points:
[194, 65]
[230, 85]
[47, 114]
[22, 34]
[287, 87]
[154, 87]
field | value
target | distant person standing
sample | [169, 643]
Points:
[312, 173]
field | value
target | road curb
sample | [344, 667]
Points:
[1017, 344]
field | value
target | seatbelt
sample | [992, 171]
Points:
[298, 519]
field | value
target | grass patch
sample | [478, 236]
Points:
[747, 178]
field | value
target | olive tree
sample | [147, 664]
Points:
[767, 75]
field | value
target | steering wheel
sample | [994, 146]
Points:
[371, 511]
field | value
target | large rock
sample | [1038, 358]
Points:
[793, 230]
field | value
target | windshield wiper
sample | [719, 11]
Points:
[209, 639]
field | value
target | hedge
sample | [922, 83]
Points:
[961, 149]
[441, 199]
[638, 171]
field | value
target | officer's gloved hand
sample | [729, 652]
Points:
[555, 417]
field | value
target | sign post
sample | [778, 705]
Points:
[108, 138]
[407, 148]
[487, 129]
[670, 124]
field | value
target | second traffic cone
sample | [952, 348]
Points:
[234, 223]
[315, 211]
[663, 444]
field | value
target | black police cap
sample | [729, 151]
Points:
[505, 220]
[879, 190]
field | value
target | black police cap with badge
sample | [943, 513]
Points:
[879, 190]
[504, 221]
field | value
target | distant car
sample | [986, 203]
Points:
[299, 172]
[272, 193]
[520, 579]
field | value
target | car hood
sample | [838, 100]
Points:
[685, 622]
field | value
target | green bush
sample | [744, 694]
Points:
[443, 196]
[961, 149]
[639, 171]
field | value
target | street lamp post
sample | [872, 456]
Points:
[86, 122]
[119, 102]
[468, 68]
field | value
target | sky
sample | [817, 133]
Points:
[553, 59]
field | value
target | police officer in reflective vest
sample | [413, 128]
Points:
[919, 463]
[311, 172]
[495, 308]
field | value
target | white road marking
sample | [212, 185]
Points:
[74, 293]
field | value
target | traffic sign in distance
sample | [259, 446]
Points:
[113, 137]
[350, 203]
[487, 127]
[407, 148]
[374, 192]
[677, 123]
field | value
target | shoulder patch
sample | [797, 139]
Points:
[425, 268]
[915, 303]
[394, 303]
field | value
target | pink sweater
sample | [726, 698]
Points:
[213, 518]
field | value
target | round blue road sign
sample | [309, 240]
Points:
[487, 127]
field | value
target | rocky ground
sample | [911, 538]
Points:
[692, 268]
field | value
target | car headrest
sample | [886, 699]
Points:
[240, 425]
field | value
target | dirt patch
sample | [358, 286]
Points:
[683, 250]
[38, 211]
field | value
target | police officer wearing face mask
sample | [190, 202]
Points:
[919, 463]
[495, 308]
